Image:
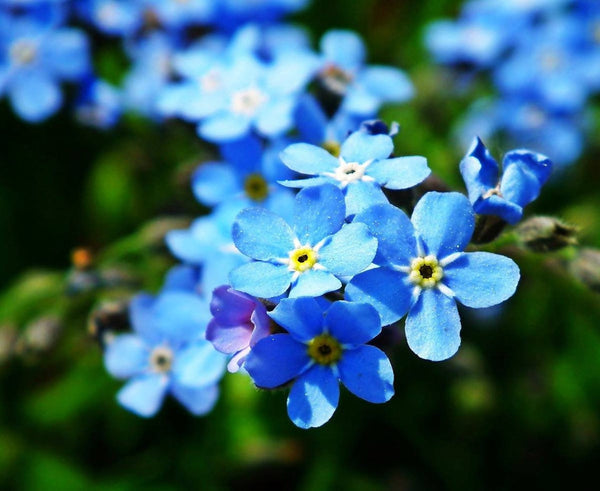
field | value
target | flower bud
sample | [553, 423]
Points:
[586, 268]
[545, 234]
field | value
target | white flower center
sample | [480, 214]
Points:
[348, 172]
[161, 359]
[551, 60]
[23, 51]
[248, 101]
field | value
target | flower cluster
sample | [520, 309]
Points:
[542, 57]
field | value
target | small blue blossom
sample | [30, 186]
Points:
[311, 256]
[321, 349]
[99, 104]
[361, 170]
[166, 353]
[113, 17]
[524, 174]
[424, 271]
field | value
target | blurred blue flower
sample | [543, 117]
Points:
[322, 348]
[99, 104]
[113, 17]
[310, 257]
[424, 271]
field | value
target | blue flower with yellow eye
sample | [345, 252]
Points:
[323, 347]
[308, 258]
[166, 353]
[424, 271]
[523, 176]
[362, 168]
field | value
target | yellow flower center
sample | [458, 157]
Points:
[161, 359]
[324, 349]
[23, 51]
[256, 187]
[303, 259]
[425, 272]
[332, 147]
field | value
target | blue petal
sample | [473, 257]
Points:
[276, 359]
[301, 317]
[126, 355]
[479, 170]
[394, 232]
[313, 398]
[261, 279]
[199, 365]
[304, 183]
[399, 173]
[143, 395]
[183, 278]
[308, 159]
[197, 400]
[314, 283]
[66, 53]
[361, 195]
[141, 315]
[34, 95]
[195, 244]
[367, 373]
[319, 212]
[311, 120]
[352, 324]
[496, 205]
[433, 326]
[245, 154]
[361, 147]
[343, 48]
[349, 251]
[214, 182]
[387, 83]
[224, 126]
[445, 222]
[360, 102]
[216, 271]
[384, 289]
[524, 174]
[261, 234]
[482, 279]
[179, 316]
[276, 117]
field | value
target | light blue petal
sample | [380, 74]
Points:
[433, 326]
[214, 182]
[301, 317]
[276, 359]
[197, 401]
[367, 373]
[445, 222]
[349, 251]
[308, 159]
[66, 53]
[360, 102]
[34, 96]
[261, 234]
[126, 355]
[361, 195]
[195, 244]
[143, 395]
[361, 147]
[180, 316]
[260, 279]
[141, 316]
[314, 397]
[319, 212]
[384, 289]
[399, 173]
[199, 365]
[482, 279]
[343, 48]
[276, 117]
[479, 170]
[282, 201]
[351, 323]
[310, 120]
[183, 278]
[216, 271]
[224, 126]
[387, 83]
[304, 183]
[394, 232]
[314, 283]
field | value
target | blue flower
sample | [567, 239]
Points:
[113, 17]
[424, 271]
[99, 104]
[166, 353]
[321, 348]
[523, 176]
[311, 256]
[361, 170]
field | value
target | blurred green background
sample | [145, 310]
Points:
[518, 406]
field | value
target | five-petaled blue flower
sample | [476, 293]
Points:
[424, 271]
[321, 348]
[361, 170]
[311, 256]
[524, 174]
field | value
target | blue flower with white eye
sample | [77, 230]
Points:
[524, 174]
[166, 353]
[424, 271]
[363, 88]
[361, 170]
[322, 349]
[309, 257]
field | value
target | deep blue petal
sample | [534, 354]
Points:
[349, 251]
[319, 212]
[524, 174]
[261, 234]
[498, 206]
[479, 170]
[301, 317]
[399, 173]
[351, 323]
[367, 373]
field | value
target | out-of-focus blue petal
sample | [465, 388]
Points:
[276, 359]
[276, 117]
[199, 365]
[196, 244]
[361, 147]
[182, 277]
[224, 126]
[261, 279]
[343, 48]
[245, 154]
[387, 83]
[34, 95]
[445, 222]
[482, 279]
[313, 398]
[126, 356]
[143, 395]
[310, 120]
[360, 102]
[308, 159]
[319, 212]
[386, 290]
[400, 172]
[66, 53]
[216, 271]
[197, 400]
[282, 201]
[214, 182]
[180, 317]
[349, 251]
[367, 373]
[351, 323]
[361, 195]
[261, 234]
[302, 317]
[433, 326]
[314, 283]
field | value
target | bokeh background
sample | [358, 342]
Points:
[519, 405]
